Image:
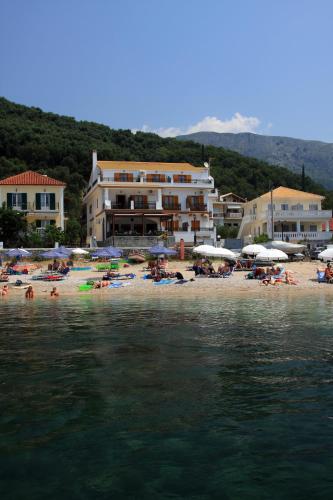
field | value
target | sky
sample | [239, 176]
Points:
[174, 66]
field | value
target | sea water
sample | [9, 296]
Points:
[150, 399]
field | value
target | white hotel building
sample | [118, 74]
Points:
[144, 199]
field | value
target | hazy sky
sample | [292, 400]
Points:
[174, 66]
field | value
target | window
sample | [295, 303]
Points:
[298, 207]
[42, 224]
[182, 178]
[90, 209]
[155, 178]
[313, 228]
[18, 201]
[195, 225]
[170, 202]
[45, 201]
[284, 206]
[269, 206]
[123, 177]
[313, 207]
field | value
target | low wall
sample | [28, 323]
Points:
[137, 242]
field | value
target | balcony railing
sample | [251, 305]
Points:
[31, 207]
[299, 214]
[137, 206]
[176, 206]
[198, 208]
[233, 215]
[303, 235]
[168, 180]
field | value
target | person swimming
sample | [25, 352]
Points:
[54, 292]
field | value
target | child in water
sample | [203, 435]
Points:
[29, 294]
[54, 292]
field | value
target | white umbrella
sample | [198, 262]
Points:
[210, 251]
[79, 251]
[224, 253]
[202, 249]
[326, 254]
[272, 254]
[253, 249]
[287, 247]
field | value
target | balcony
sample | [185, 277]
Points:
[303, 235]
[31, 207]
[299, 214]
[176, 206]
[169, 181]
[136, 206]
[198, 208]
[233, 215]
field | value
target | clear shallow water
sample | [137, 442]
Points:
[222, 399]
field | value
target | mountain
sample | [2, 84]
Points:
[316, 156]
[60, 146]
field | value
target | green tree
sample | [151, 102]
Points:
[73, 232]
[13, 226]
[226, 231]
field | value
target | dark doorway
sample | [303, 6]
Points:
[121, 201]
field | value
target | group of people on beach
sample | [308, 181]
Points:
[29, 294]
[204, 267]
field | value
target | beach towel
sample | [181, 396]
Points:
[321, 277]
[84, 288]
[164, 282]
[116, 285]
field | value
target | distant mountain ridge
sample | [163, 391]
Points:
[316, 156]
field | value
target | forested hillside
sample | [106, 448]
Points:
[316, 156]
[61, 147]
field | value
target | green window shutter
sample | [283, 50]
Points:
[52, 201]
[24, 201]
[9, 200]
[38, 223]
[38, 204]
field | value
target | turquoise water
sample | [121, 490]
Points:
[113, 399]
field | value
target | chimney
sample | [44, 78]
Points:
[94, 159]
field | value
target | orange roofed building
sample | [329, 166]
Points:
[128, 199]
[40, 197]
[296, 216]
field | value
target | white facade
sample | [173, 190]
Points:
[147, 198]
[295, 215]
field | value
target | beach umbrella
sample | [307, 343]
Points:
[221, 252]
[54, 253]
[160, 250]
[64, 250]
[101, 253]
[18, 252]
[79, 251]
[202, 249]
[114, 252]
[253, 249]
[110, 252]
[287, 247]
[272, 254]
[326, 254]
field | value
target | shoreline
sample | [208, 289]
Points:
[234, 286]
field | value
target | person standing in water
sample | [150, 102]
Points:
[29, 294]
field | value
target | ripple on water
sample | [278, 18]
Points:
[165, 398]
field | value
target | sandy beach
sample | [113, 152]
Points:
[236, 285]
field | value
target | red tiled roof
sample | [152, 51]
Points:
[31, 178]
